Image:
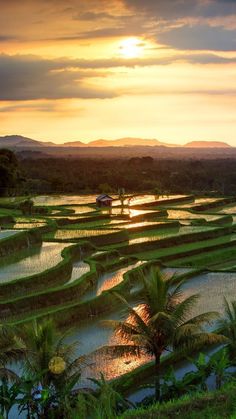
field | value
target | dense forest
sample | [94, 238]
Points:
[136, 174]
[82, 175]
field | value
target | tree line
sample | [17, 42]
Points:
[88, 175]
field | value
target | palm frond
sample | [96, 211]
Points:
[230, 312]
[9, 375]
[182, 310]
[204, 318]
[196, 341]
[155, 289]
[174, 297]
[135, 316]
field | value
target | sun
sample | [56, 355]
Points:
[131, 48]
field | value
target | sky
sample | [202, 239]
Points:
[89, 69]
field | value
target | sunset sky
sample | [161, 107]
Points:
[88, 69]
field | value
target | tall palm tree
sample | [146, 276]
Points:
[227, 326]
[162, 322]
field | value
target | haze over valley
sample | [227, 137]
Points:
[123, 147]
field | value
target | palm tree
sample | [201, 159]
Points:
[162, 322]
[50, 360]
[227, 326]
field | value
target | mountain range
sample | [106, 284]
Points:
[20, 142]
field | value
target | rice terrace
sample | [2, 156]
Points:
[117, 209]
[68, 258]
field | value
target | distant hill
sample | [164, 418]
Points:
[18, 141]
[121, 142]
[208, 144]
[72, 144]
[129, 142]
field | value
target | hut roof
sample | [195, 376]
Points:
[104, 197]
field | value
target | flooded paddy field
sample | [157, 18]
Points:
[7, 233]
[100, 268]
[34, 261]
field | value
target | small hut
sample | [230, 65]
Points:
[104, 200]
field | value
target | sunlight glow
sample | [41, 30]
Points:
[131, 48]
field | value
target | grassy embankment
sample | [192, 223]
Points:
[208, 405]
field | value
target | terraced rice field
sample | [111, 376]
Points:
[187, 215]
[25, 226]
[56, 200]
[46, 256]
[111, 279]
[79, 269]
[210, 289]
[7, 233]
[82, 279]
[67, 234]
[158, 235]
[81, 209]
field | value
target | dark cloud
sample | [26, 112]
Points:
[88, 16]
[29, 78]
[175, 9]
[167, 9]
[109, 32]
[25, 78]
[24, 107]
[200, 37]
[204, 58]
[6, 38]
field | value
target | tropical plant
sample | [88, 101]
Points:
[50, 363]
[104, 403]
[227, 326]
[8, 396]
[12, 350]
[203, 371]
[162, 322]
[171, 387]
[219, 363]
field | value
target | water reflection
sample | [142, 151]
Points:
[77, 234]
[111, 279]
[25, 226]
[179, 215]
[144, 224]
[38, 260]
[56, 200]
[212, 287]
[163, 234]
[7, 233]
[79, 269]
[80, 209]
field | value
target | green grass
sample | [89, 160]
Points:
[209, 405]
[207, 259]
[87, 225]
[175, 250]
